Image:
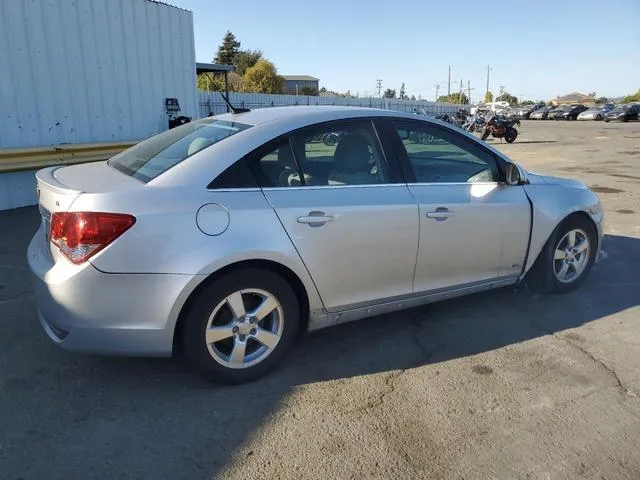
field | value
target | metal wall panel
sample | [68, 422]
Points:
[82, 71]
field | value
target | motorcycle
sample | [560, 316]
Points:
[501, 127]
[474, 123]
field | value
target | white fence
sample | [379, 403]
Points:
[212, 103]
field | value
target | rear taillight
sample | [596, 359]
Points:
[79, 235]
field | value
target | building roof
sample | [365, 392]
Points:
[213, 67]
[573, 97]
[301, 78]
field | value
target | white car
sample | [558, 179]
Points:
[227, 237]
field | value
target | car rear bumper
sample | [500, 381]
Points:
[84, 309]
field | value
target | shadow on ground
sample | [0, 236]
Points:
[65, 415]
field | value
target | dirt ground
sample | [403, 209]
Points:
[501, 385]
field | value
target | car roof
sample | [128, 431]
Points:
[310, 113]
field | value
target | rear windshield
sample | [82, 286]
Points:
[148, 159]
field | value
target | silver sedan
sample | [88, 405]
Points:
[592, 113]
[229, 237]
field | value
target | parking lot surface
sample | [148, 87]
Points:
[501, 385]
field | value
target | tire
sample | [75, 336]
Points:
[606, 120]
[213, 307]
[544, 275]
[598, 117]
[510, 135]
[485, 134]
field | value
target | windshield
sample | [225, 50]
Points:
[148, 159]
[621, 108]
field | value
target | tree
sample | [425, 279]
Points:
[388, 93]
[527, 102]
[602, 100]
[592, 95]
[228, 50]
[210, 82]
[488, 97]
[507, 97]
[262, 78]
[456, 97]
[245, 59]
[308, 91]
[402, 95]
[413, 97]
[635, 97]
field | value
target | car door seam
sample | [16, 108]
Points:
[415, 265]
[275, 211]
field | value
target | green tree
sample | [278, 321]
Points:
[228, 50]
[210, 82]
[592, 95]
[488, 97]
[507, 97]
[245, 59]
[262, 78]
[602, 100]
[635, 97]
[402, 94]
[527, 102]
[413, 97]
[388, 93]
[308, 91]
[456, 97]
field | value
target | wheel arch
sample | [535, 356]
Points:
[576, 213]
[285, 272]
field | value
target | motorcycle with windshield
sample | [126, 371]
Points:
[501, 127]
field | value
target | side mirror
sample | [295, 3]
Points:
[513, 175]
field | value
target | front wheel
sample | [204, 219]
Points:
[240, 326]
[510, 135]
[567, 257]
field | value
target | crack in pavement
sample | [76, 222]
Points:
[393, 377]
[18, 296]
[621, 386]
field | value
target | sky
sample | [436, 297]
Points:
[536, 49]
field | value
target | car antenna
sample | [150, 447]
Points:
[233, 109]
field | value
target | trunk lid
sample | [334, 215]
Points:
[58, 187]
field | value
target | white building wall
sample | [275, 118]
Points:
[83, 71]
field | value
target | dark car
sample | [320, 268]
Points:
[623, 113]
[571, 112]
[558, 111]
[541, 113]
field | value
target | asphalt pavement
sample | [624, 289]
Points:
[500, 385]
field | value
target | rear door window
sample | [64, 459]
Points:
[148, 159]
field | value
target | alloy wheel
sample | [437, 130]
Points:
[571, 256]
[244, 328]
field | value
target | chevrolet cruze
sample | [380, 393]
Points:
[229, 237]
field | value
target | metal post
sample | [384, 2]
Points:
[226, 87]
[449, 82]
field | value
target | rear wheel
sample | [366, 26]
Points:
[485, 134]
[567, 257]
[598, 117]
[240, 326]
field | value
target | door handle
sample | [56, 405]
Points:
[315, 219]
[440, 214]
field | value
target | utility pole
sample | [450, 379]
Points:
[488, 70]
[449, 82]
[379, 86]
[501, 90]
[460, 93]
[469, 90]
[437, 88]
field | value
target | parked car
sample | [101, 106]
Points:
[228, 237]
[623, 113]
[558, 111]
[571, 112]
[592, 113]
[541, 113]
